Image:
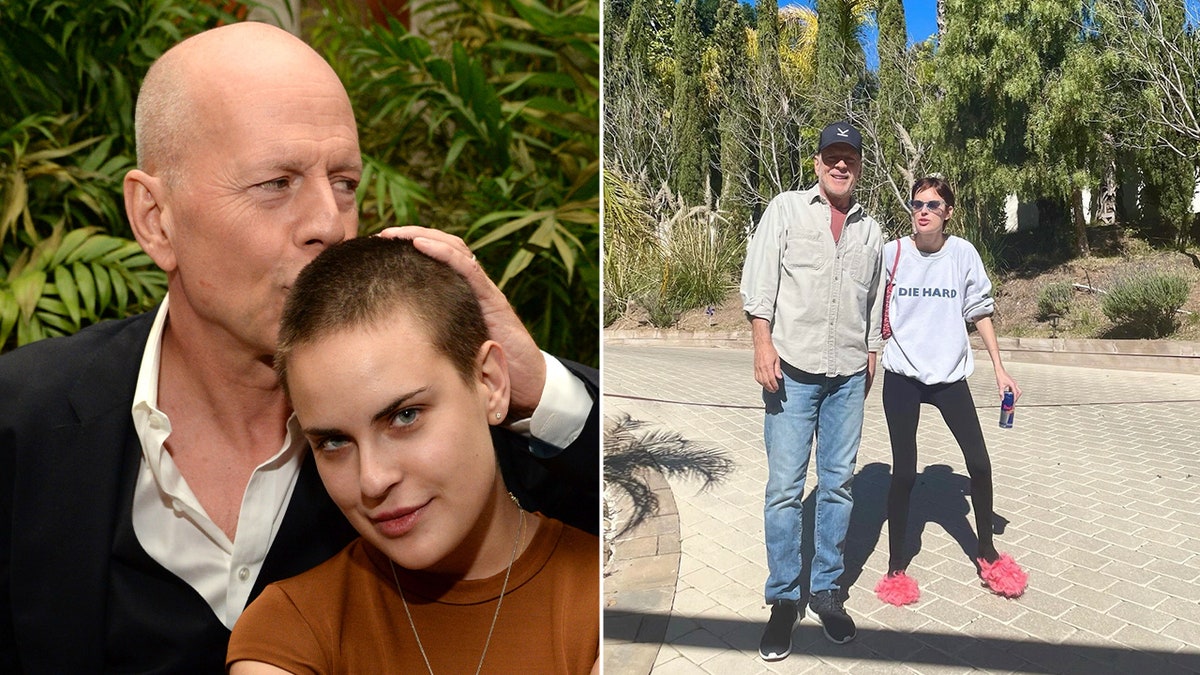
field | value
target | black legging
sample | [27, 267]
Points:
[902, 399]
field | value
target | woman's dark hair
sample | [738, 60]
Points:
[937, 183]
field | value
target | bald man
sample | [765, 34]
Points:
[152, 477]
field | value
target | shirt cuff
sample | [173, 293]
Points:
[563, 409]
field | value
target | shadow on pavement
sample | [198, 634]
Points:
[939, 496]
[631, 446]
[925, 648]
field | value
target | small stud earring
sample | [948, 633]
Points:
[498, 415]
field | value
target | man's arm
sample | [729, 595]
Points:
[871, 361]
[569, 397]
[759, 288]
[561, 483]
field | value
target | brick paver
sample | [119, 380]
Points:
[1097, 492]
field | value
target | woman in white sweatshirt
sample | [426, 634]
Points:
[938, 284]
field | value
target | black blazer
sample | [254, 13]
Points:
[68, 573]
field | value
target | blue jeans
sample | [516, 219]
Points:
[832, 409]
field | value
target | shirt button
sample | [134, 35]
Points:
[244, 573]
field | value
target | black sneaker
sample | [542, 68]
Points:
[825, 607]
[777, 638]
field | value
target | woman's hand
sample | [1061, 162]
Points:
[1004, 381]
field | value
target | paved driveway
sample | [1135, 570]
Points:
[1097, 496]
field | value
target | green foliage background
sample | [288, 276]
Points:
[486, 126]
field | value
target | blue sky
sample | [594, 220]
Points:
[919, 15]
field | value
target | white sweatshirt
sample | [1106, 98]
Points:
[933, 296]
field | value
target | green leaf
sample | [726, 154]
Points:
[87, 289]
[68, 292]
[134, 284]
[17, 199]
[9, 311]
[456, 148]
[515, 266]
[27, 289]
[55, 153]
[519, 48]
[138, 260]
[545, 231]
[94, 248]
[120, 290]
[58, 322]
[125, 249]
[98, 155]
[71, 241]
[29, 331]
[567, 253]
[52, 305]
[103, 287]
[504, 230]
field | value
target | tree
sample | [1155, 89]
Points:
[894, 113]
[772, 105]
[1067, 127]
[1017, 111]
[689, 116]
[749, 13]
[841, 63]
[637, 92]
[706, 16]
[1151, 39]
[1153, 81]
[737, 197]
[645, 41]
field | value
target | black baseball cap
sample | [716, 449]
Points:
[840, 132]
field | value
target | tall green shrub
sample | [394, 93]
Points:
[736, 161]
[704, 260]
[689, 118]
[633, 258]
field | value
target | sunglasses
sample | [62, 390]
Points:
[932, 205]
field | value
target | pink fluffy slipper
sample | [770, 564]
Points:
[897, 589]
[1004, 577]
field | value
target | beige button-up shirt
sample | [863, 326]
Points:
[824, 300]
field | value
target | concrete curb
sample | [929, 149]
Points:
[639, 591]
[1172, 356]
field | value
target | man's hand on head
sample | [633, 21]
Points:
[526, 364]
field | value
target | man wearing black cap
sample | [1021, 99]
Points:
[812, 289]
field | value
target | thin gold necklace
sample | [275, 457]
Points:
[512, 558]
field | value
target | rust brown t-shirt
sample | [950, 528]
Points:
[345, 616]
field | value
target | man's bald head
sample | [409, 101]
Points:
[191, 81]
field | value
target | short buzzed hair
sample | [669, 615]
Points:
[362, 282]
